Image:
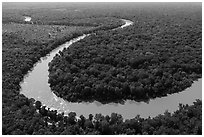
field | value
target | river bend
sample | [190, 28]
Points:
[35, 85]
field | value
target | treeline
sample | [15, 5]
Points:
[102, 23]
[34, 119]
[158, 55]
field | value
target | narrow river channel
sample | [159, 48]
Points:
[35, 85]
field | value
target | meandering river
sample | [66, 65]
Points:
[35, 85]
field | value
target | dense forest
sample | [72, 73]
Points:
[152, 53]
[159, 55]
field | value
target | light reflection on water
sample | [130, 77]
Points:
[27, 18]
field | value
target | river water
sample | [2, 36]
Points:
[27, 19]
[35, 85]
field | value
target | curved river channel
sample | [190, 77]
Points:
[35, 85]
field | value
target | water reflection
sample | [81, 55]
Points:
[27, 19]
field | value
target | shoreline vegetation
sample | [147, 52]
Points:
[21, 115]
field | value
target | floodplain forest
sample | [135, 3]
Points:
[159, 54]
